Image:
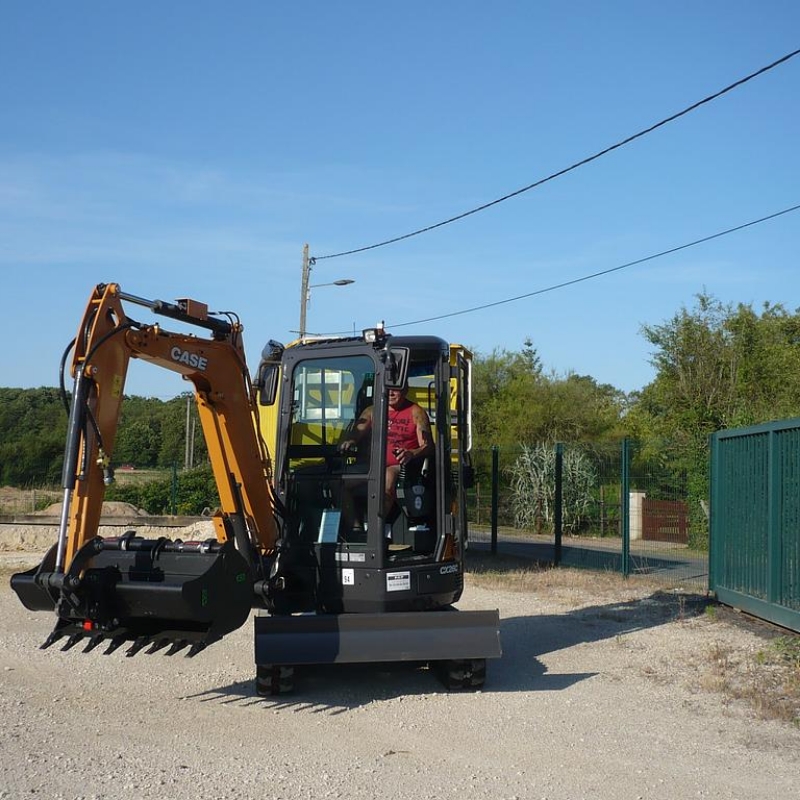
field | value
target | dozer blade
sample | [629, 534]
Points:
[360, 638]
[143, 593]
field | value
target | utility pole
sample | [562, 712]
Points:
[188, 458]
[304, 290]
[306, 287]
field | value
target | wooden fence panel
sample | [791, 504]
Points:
[665, 521]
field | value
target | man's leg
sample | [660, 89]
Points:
[390, 497]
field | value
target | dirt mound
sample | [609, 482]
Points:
[27, 538]
[41, 536]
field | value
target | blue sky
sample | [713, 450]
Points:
[190, 149]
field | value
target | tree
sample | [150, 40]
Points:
[503, 384]
[173, 420]
[33, 427]
[192, 493]
[717, 366]
[137, 443]
[515, 403]
[768, 357]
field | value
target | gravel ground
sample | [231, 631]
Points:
[595, 697]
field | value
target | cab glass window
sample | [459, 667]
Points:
[327, 396]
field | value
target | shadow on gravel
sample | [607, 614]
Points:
[337, 688]
[526, 639]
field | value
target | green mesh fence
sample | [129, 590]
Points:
[605, 507]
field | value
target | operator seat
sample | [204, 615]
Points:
[417, 504]
[415, 491]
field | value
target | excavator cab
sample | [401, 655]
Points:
[386, 576]
[335, 496]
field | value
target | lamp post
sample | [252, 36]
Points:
[306, 287]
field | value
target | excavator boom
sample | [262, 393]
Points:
[153, 591]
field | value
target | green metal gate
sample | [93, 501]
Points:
[755, 520]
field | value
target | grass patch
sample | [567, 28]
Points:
[510, 573]
[787, 650]
[767, 680]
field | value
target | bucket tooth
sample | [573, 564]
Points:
[114, 644]
[92, 642]
[157, 645]
[138, 644]
[51, 639]
[196, 648]
[177, 647]
[71, 642]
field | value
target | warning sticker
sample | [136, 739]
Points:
[398, 581]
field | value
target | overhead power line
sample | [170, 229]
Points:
[599, 274]
[572, 167]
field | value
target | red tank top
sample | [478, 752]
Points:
[401, 432]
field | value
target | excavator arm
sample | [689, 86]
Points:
[156, 592]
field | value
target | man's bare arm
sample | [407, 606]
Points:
[424, 434]
[361, 428]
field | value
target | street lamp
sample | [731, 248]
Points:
[306, 287]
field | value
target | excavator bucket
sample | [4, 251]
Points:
[152, 593]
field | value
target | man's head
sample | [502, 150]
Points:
[397, 396]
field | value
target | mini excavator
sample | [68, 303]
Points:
[303, 534]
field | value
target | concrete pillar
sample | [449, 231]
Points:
[637, 514]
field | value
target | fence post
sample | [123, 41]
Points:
[558, 510]
[174, 489]
[715, 503]
[625, 504]
[774, 519]
[495, 494]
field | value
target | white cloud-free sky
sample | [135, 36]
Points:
[190, 149]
